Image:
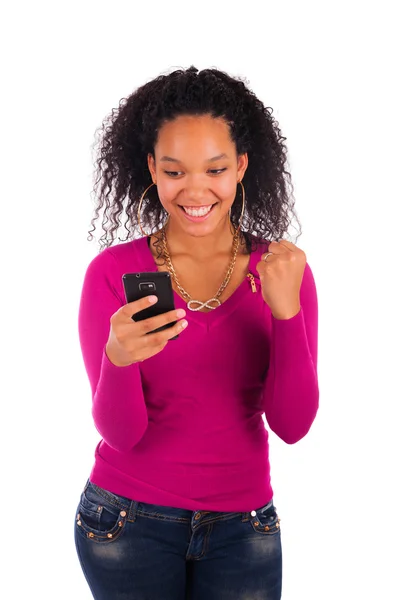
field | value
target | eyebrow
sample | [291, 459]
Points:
[213, 159]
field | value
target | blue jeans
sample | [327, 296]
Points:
[131, 550]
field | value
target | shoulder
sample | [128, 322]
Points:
[308, 283]
[123, 249]
[105, 271]
[120, 253]
[112, 262]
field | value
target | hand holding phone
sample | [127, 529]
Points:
[133, 338]
[140, 285]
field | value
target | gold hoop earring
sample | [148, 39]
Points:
[140, 209]
[242, 213]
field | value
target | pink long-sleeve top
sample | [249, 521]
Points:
[184, 428]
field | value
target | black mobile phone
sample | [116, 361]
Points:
[139, 285]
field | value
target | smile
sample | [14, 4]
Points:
[197, 211]
[197, 214]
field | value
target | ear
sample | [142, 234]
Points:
[152, 167]
[243, 162]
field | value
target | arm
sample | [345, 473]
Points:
[118, 407]
[291, 392]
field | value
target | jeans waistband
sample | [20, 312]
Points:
[133, 507]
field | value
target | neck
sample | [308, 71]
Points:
[201, 247]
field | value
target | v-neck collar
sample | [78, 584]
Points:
[149, 265]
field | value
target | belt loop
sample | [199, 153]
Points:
[132, 511]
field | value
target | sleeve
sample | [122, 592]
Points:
[118, 408]
[291, 391]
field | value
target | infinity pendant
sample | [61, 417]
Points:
[199, 305]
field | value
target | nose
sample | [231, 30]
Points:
[194, 191]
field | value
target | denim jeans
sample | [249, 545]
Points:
[131, 550]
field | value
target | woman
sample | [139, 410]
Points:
[179, 502]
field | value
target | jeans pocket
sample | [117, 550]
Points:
[99, 520]
[267, 521]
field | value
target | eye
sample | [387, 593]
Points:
[177, 173]
[172, 173]
[217, 171]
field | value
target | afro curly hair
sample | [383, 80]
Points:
[130, 132]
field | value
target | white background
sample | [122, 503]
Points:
[329, 70]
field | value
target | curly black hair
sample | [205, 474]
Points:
[130, 132]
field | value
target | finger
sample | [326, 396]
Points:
[161, 338]
[268, 258]
[148, 325]
[288, 245]
[131, 308]
[149, 351]
[177, 328]
[277, 248]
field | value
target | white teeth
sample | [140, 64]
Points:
[197, 212]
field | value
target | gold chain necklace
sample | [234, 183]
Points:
[214, 302]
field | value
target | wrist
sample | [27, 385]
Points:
[284, 315]
[113, 356]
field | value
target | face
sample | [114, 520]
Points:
[196, 170]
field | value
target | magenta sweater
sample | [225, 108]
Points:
[184, 428]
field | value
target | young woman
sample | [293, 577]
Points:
[179, 502]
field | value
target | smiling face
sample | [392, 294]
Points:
[196, 169]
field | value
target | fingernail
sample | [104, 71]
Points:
[180, 313]
[152, 299]
[184, 324]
